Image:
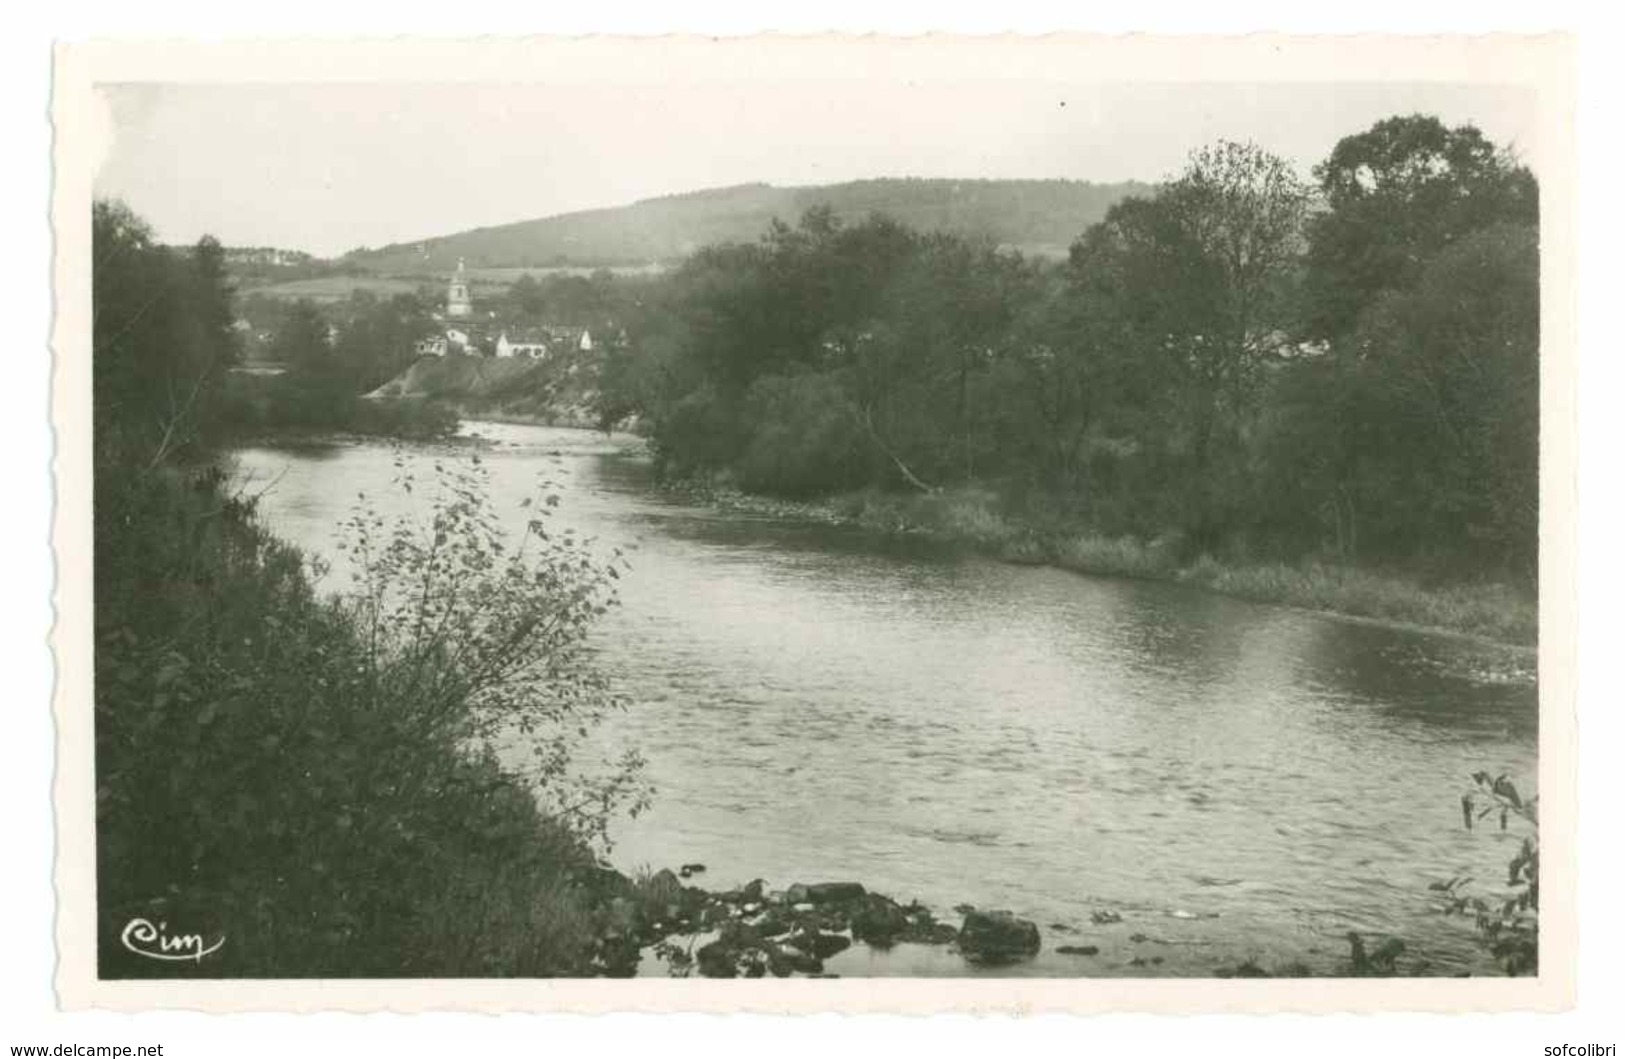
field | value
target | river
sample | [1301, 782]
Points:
[1234, 780]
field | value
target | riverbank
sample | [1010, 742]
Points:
[661, 923]
[973, 519]
[286, 404]
[575, 418]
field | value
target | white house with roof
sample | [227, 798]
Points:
[522, 343]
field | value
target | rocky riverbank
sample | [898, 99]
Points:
[666, 923]
[752, 931]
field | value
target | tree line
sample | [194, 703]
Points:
[1253, 364]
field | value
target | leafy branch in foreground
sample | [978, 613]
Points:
[1509, 923]
[484, 641]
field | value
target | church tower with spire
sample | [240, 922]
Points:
[458, 303]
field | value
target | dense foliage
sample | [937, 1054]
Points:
[331, 359]
[1240, 363]
[163, 341]
[316, 779]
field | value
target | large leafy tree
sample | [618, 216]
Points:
[1242, 211]
[1395, 196]
[1197, 280]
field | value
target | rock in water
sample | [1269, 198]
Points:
[934, 934]
[773, 923]
[737, 949]
[833, 893]
[997, 936]
[784, 962]
[819, 945]
[1079, 950]
[716, 960]
[878, 920]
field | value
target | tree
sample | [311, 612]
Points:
[1458, 362]
[1243, 210]
[1068, 381]
[377, 339]
[1197, 280]
[302, 342]
[161, 338]
[1395, 196]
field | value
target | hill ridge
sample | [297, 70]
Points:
[1042, 214]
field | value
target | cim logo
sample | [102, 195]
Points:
[155, 943]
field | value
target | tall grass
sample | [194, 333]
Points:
[978, 518]
[1492, 610]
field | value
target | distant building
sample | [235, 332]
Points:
[522, 343]
[562, 337]
[265, 255]
[459, 306]
[460, 330]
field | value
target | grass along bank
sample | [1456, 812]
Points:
[975, 518]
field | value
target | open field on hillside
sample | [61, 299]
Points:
[337, 288]
[482, 280]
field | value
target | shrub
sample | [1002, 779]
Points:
[315, 779]
[480, 643]
[804, 437]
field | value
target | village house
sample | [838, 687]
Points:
[522, 342]
[457, 330]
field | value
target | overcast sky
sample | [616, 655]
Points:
[327, 168]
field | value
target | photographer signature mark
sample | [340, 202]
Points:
[154, 942]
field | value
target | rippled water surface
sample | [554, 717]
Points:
[1235, 780]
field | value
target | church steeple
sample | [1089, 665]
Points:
[458, 303]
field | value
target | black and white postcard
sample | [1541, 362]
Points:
[828, 523]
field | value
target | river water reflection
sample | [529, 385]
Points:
[815, 702]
